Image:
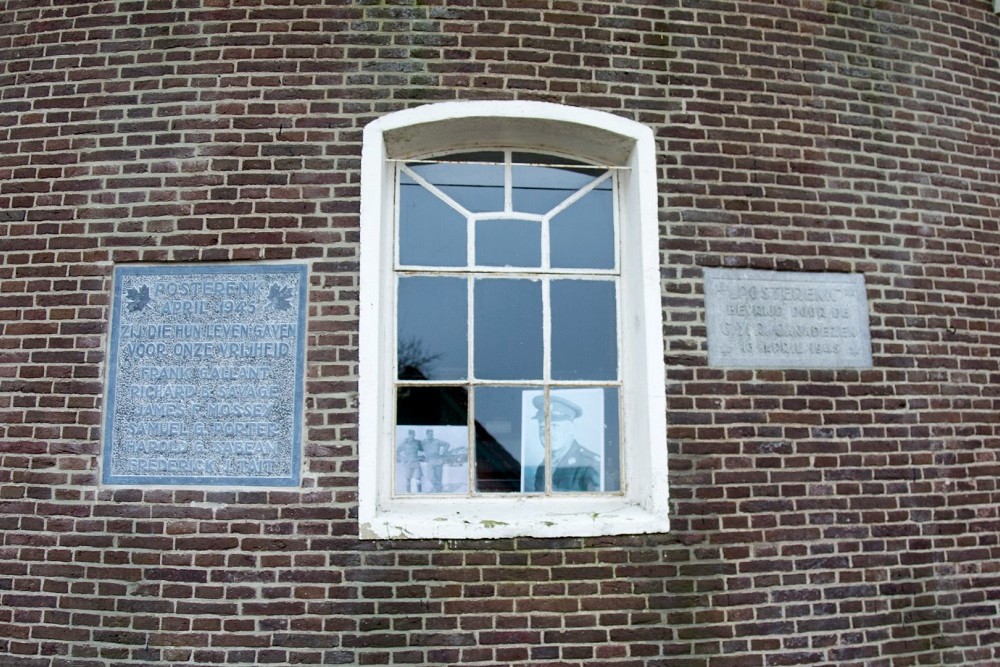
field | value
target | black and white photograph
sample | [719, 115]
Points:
[576, 430]
[431, 459]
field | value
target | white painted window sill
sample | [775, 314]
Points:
[487, 518]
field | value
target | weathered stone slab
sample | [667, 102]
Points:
[205, 375]
[774, 319]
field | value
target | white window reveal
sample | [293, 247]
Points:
[511, 346]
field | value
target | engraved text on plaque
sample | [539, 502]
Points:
[773, 319]
[205, 375]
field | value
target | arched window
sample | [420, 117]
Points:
[511, 349]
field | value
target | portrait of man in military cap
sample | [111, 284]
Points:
[575, 431]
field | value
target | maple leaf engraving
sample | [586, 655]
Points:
[280, 297]
[137, 298]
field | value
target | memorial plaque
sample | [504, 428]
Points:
[205, 380]
[773, 319]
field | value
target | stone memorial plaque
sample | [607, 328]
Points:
[774, 319]
[205, 375]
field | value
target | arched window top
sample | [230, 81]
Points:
[511, 378]
[592, 136]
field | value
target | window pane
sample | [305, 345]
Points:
[508, 329]
[471, 156]
[432, 440]
[476, 187]
[583, 236]
[533, 438]
[432, 335]
[431, 233]
[539, 158]
[508, 243]
[612, 443]
[577, 425]
[500, 436]
[584, 331]
[541, 189]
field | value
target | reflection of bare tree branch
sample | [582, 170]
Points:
[413, 360]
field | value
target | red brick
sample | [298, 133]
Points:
[807, 505]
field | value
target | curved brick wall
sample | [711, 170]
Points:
[819, 517]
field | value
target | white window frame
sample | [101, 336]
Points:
[535, 127]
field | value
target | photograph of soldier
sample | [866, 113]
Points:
[409, 475]
[439, 463]
[575, 467]
[436, 454]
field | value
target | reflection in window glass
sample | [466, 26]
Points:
[612, 441]
[476, 187]
[583, 235]
[541, 189]
[496, 157]
[431, 233]
[520, 157]
[508, 243]
[431, 452]
[499, 422]
[432, 336]
[508, 329]
[432, 405]
[584, 331]
[539, 338]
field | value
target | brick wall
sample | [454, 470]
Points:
[820, 517]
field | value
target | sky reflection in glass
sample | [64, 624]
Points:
[541, 189]
[584, 335]
[431, 233]
[509, 243]
[537, 324]
[476, 187]
[432, 323]
[583, 235]
[508, 329]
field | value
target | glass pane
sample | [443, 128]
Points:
[612, 448]
[508, 329]
[583, 236]
[584, 331]
[432, 440]
[432, 328]
[472, 156]
[577, 425]
[503, 429]
[508, 243]
[476, 187]
[541, 189]
[539, 158]
[431, 233]
[533, 440]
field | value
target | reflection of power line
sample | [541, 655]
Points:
[566, 165]
[603, 188]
